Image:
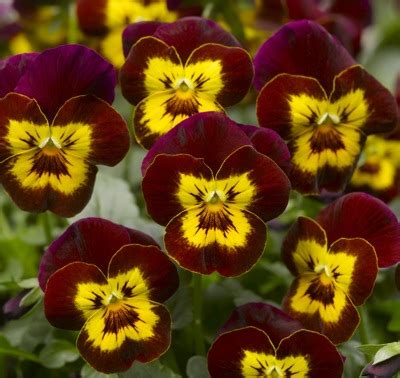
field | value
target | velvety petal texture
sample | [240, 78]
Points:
[329, 281]
[248, 352]
[119, 315]
[360, 215]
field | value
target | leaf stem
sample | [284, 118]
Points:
[363, 329]
[45, 219]
[197, 312]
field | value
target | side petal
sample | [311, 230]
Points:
[63, 72]
[357, 268]
[211, 136]
[301, 48]
[92, 16]
[320, 308]
[360, 215]
[234, 354]
[90, 128]
[375, 111]
[304, 246]
[229, 241]
[89, 240]
[324, 360]
[112, 340]
[158, 272]
[171, 184]
[151, 67]
[73, 294]
[220, 72]
[255, 183]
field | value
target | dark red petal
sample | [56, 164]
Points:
[161, 184]
[60, 307]
[363, 277]
[359, 215]
[382, 108]
[268, 142]
[158, 271]
[109, 135]
[301, 48]
[360, 11]
[269, 182]
[67, 71]
[273, 321]
[92, 16]
[236, 71]
[189, 33]
[133, 72]
[303, 9]
[192, 242]
[211, 136]
[323, 357]
[133, 32]
[90, 240]
[120, 358]
[226, 353]
[303, 230]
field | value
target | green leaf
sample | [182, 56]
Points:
[57, 353]
[29, 283]
[197, 367]
[370, 349]
[152, 369]
[88, 372]
[180, 306]
[386, 352]
[31, 297]
[7, 349]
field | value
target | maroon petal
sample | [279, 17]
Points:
[301, 48]
[67, 71]
[273, 321]
[359, 215]
[360, 11]
[189, 33]
[303, 9]
[90, 240]
[92, 16]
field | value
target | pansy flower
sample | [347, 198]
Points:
[56, 125]
[186, 67]
[107, 19]
[213, 191]
[335, 261]
[118, 309]
[261, 340]
[322, 103]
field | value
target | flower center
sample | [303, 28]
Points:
[328, 119]
[50, 144]
[325, 274]
[275, 372]
[113, 298]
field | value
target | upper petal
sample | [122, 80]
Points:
[67, 71]
[359, 215]
[301, 48]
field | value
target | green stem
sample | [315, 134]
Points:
[45, 219]
[197, 311]
[363, 328]
[71, 21]
[169, 360]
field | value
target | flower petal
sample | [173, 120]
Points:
[312, 52]
[359, 215]
[222, 73]
[273, 321]
[90, 128]
[227, 355]
[323, 358]
[171, 184]
[229, 241]
[90, 240]
[211, 136]
[304, 246]
[160, 112]
[67, 71]
[92, 16]
[189, 33]
[73, 294]
[321, 308]
[159, 274]
[151, 67]
[112, 340]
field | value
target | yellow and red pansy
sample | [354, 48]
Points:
[323, 111]
[56, 125]
[261, 340]
[183, 68]
[330, 279]
[213, 191]
[118, 312]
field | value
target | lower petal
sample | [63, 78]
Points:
[112, 339]
[230, 242]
